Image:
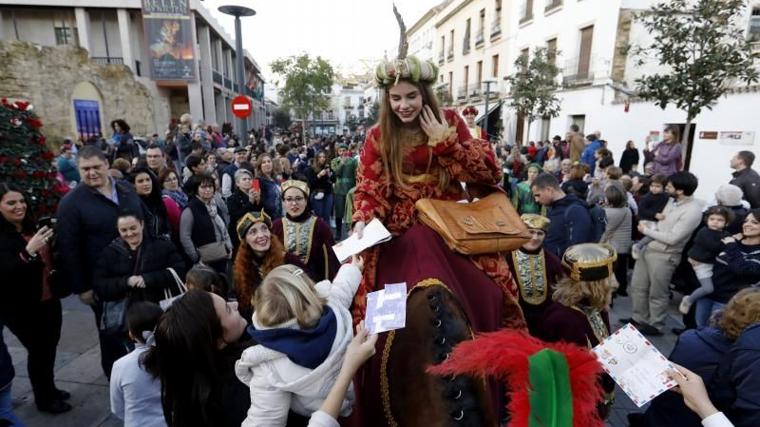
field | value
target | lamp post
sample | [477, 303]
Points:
[237, 12]
[488, 83]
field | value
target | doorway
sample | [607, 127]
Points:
[689, 148]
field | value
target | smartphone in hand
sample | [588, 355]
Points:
[256, 185]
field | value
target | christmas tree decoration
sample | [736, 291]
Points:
[25, 160]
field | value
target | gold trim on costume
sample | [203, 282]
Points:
[531, 275]
[298, 237]
[595, 321]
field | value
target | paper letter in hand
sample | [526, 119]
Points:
[374, 233]
[635, 365]
[386, 309]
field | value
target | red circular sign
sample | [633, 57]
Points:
[241, 106]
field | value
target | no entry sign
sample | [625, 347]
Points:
[241, 106]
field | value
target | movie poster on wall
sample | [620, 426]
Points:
[169, 35]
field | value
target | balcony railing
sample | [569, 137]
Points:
[228, 83]
[462, 93]
[108, 60]
[450, 55]
[577, 72]
[496, 28]
[475, 90]
[466, 46]
[551, 5]
[526, 18]
[217, 76]
[479, 38]
[441, 58]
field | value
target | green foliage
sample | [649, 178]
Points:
[443, 95]
[281, 118]
[533, 86]
[702, 46]
[372, 116]
[25, 160]
[308, 82]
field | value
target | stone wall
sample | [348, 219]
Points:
[46, 76]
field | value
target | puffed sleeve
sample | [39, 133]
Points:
[372, 183]
[467, 159]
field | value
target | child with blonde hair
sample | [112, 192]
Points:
[302, 331]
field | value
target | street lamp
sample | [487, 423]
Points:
[488, 83]
[237, 12]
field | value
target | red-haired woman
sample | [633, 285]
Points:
[259, 252]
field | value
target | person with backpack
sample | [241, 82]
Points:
[653, 271]
[572, 220]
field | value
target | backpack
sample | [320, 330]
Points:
[598, 222]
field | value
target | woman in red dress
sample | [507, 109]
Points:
[418, 151]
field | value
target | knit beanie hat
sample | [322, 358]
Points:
[729, 195]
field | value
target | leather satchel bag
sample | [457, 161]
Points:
[488, 225]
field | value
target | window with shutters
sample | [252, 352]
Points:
[584, 54]
[754, 26]
[551, 51]
[527, 11]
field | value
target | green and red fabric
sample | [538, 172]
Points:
[552, 385]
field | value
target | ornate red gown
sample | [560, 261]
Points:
[483, 284]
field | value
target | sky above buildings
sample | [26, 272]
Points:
[352, 34]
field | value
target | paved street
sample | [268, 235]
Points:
[78, 371]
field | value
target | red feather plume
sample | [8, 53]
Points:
[504, 355]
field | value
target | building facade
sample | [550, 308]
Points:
[477, 41]
[112, 35]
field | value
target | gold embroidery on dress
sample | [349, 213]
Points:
[298, 236]
[530, 271]
[595, 320]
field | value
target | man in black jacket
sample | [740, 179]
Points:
[86, 225]
[746, 178]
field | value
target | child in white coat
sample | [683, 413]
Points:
[302, 331]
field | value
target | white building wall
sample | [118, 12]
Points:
[598, 104]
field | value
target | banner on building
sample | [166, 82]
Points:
[169, 37]
[737, 138]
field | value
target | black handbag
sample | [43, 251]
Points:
[113, 321]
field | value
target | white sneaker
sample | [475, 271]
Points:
[685, 305]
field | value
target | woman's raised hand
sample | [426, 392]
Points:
[41, 238]
[433, 127]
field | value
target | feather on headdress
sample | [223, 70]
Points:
[389, 72]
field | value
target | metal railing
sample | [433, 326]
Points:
[575, 73]
[462, 92]
[495, 27]
[475, 90]
[441, 58]
[466, 45]
[228, 83]
[479, 38]
[450, 55]
[217, 76]
[106, 60]
[552, 4]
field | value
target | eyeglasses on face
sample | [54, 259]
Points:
[298, 199]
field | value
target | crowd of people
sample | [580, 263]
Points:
[209, 268]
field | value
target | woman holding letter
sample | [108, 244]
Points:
[418, 151]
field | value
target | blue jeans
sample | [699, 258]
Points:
[704, 309]
[323, 208]
[6, 408]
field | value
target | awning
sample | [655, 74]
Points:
[491, 108]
